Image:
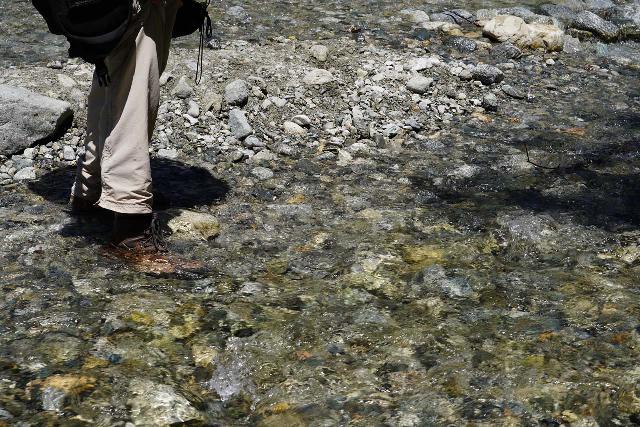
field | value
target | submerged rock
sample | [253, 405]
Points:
[435, 278]
[194, 224]
[155, 404]
[27, 117]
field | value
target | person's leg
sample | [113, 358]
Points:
[133, 98]
[86, 188]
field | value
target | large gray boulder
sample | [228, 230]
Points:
[27, 117]
[591, 22]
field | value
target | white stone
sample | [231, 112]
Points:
[168, 153]
[262, 173]
[416, 16]
[68, 153]
[419, 84]
[26, 174]
[318, 76]
[194, 109]
[278, 102]
[66, 81]
[294, 129]
[508, 28]
[319, 52]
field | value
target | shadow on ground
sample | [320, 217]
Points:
[592, 188]
[176, 185]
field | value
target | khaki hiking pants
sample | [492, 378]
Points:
[115, 172]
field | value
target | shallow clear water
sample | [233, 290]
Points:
[443, 280]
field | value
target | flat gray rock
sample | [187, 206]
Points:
[239, 125]
[419, 84]
[589, 21]
[236, 93]
[27, 117]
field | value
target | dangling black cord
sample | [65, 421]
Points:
[206, 32]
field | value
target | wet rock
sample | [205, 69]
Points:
[513, 29]
[589, 21]
[154, 404]
[182, 89]
[435, 277]
[336, 348]
[528, 227]
[463, 44]
[521, 12]
[487, 74]
[236, 93]
[419, 84]
[513, 92]
[372, 316]
[192, 224]
[506, 51]
[560, 12]
[239, 125]
[318, 77]
[27, 117]
[455, 16]
[319, 52]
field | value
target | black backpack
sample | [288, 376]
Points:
[92, 27]
[95, 27]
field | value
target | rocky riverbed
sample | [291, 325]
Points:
[438, 230]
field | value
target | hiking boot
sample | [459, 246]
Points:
[138, 241]
[139, 234]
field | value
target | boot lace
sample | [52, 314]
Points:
[154, 235]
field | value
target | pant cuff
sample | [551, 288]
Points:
[125, 208]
